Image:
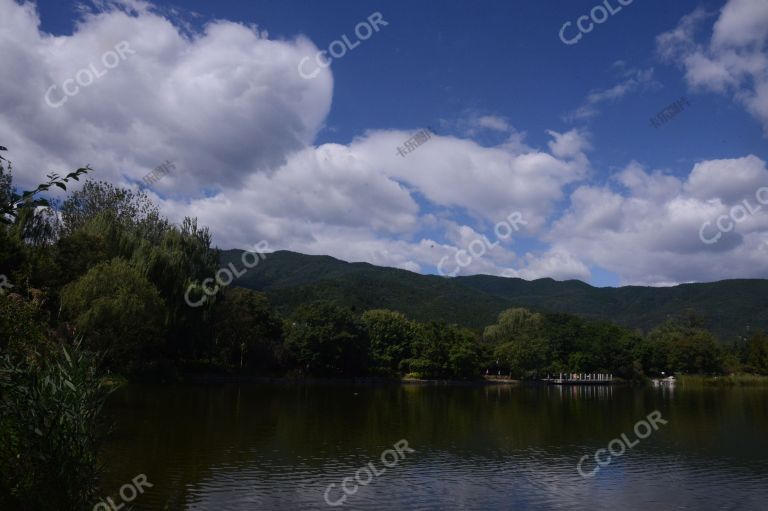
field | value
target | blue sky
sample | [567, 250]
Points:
[618, 202]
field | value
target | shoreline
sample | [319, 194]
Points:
[118, 380]
[359, 380]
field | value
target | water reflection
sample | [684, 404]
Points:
[498, 447]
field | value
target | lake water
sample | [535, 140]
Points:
[279, 447]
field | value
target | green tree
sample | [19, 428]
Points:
[120, 223]
[512, 324]
[682, 345]
[247, 330]
[96, 197]
[519, 346]
[757, 353]
[392, 335]
[327, 340]
[118, 311]
[444, 351]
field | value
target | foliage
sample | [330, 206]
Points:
[11, 202]
[681, 345]
[95, 197]
[325, 339]
[517, 338]
[248, 332]
[49, 421]
[22, 324]
[392, 335]
[757, 353]
[444, 351]
[118, 311]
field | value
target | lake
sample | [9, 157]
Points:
[280, 447]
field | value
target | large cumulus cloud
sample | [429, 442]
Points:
[221, 104]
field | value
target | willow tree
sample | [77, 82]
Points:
[118, 311]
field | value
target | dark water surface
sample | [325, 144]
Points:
[254, 447]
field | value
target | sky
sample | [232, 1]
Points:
[540, 149]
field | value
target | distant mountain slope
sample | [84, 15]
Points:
[291, 279]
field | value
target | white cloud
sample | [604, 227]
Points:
[556, 263]
[488, 182]
[650, 235]
[493, 123]
[633, 81]
[473, 123]
[221, 104]
[734, 61]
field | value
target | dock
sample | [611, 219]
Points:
[580, 379]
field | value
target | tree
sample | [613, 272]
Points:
[682, 346]
[444, 351]
[514, 323]
[328, 340]
[118, 311]
[519, 346]
[120, 223]
[247, 330]
[95, 197]
[757, 353]
[464, 355]
[391, 334]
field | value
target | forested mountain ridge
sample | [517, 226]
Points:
[290, 279]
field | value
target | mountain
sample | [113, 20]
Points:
[731, 307]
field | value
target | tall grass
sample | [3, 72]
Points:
[51, 430]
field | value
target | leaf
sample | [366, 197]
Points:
[61, 185]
